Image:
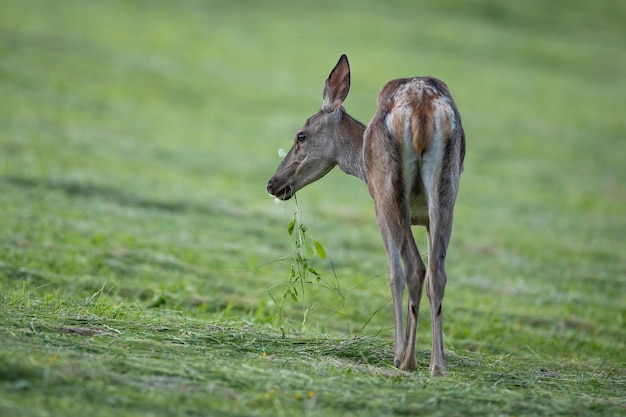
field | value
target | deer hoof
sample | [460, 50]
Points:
[436, 370]
[409, 364]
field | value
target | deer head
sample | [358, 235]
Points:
[314, 152]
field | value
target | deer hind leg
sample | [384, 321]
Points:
[435, 287]
[438, 232]
[415, 273]
[384, 170]
[396, 283]
[405, 268]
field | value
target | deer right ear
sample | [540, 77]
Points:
[337, 85]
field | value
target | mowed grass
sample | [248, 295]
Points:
[142, 263]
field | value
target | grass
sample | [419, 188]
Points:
[140, 255]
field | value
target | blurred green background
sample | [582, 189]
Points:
[142, 260]
[136, 139]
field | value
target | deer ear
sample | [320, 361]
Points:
[337, 85]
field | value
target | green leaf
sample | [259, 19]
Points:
[321, 252]
[309, 250]
[291, 226]
[312, 270]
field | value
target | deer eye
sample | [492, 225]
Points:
[301, 136]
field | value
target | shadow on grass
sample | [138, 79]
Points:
[85, 190]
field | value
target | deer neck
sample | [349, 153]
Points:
[350, 140]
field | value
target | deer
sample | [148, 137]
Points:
[411, 157]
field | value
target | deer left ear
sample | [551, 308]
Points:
[337, 85]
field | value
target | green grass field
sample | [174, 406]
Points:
[143, 266]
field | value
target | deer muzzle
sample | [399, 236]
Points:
[280, 190]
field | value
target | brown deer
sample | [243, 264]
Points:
[411, 157]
